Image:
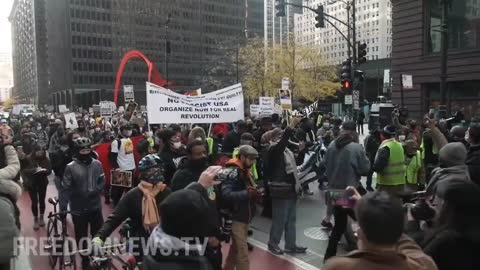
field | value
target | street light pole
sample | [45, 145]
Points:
[444, 54]
[167, 47]
[354, 36]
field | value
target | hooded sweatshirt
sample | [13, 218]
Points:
[452, 166]
[345, 162]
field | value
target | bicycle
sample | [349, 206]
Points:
[109, 260]
[61, 250]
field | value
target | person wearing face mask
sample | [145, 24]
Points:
[371, 143]
[82, 130]
[121, 158]
[414, 171]
[5, 128]
[54, 144]
[140, 204]
[194, 164]
[63, 156]
[240, 192]
[171, 152]
[35, 171]
[81, 188]
[40, 136]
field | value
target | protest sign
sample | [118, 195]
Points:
[121, 178]
[106, 109]
[96, 108]
[164, 106]
[128, 93]
[310, 108]
[267, 104]
[62, 108]
[70, 121]
[132, 105]
[254, 110]
[285, 99]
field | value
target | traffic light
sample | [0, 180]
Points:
[346, 74]
[362, 52]
[319, 18]
[280, 8]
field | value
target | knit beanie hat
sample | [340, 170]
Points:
[452, 154]
[185, 213]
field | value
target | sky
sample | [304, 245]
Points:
[5, 41]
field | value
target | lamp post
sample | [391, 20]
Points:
[167, 47]
[444, 58]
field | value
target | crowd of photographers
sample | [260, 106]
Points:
[418, 209]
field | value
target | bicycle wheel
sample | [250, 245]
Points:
[67, 260]
[52, 236]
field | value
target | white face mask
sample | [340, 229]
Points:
[39, 128]
[177, 145]
[199, 139]
[401, 138]
[97, 129]
[326, 125]
[128, 133]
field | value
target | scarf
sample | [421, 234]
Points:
[149, 204]
[291, 167]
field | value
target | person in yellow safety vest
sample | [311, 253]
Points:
[414, 172]
[247, 139]
[390, 163]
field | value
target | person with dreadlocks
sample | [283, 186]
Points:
[82, 186]
[140, 204]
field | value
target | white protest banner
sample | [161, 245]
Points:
[70, 121]
[285, 99]
[62, 108]
[128, 93]
[166, 107]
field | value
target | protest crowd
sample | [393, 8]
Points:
[418, 209]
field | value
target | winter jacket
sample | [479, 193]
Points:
[60, 159]
[82, 186]
[231, 141]
[473, 163]
[10, 171]
[408, 256]
[235, 181]
[30, 167]
[185, 175]
[439, 175]
[345, 162]
[182, 256]
[169, 158]
[129, 206]
[9, 224]
[371, 144]
[275, 163]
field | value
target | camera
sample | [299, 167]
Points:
[421, 210]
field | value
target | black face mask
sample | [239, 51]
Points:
[85, 158]
[199, 164]
[81, 129]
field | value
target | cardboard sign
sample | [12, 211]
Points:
[267, 104]
[121, 178]
[285, 99]
[62, 108]
[70, 121]
[128, 93]
[132, 105]
[167, 107]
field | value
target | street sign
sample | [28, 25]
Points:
[407, 81]
[348, 100]
[356, 95]
[285, 83]
[356, 105]
[386, 77]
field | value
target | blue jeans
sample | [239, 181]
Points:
[284, 217]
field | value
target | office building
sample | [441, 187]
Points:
[29, 54]
[88, 38]
[416, 52]
[373, 27]
[277, 30]
[6, 76]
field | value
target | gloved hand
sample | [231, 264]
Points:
[97, 247]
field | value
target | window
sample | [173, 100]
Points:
[462, 25]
